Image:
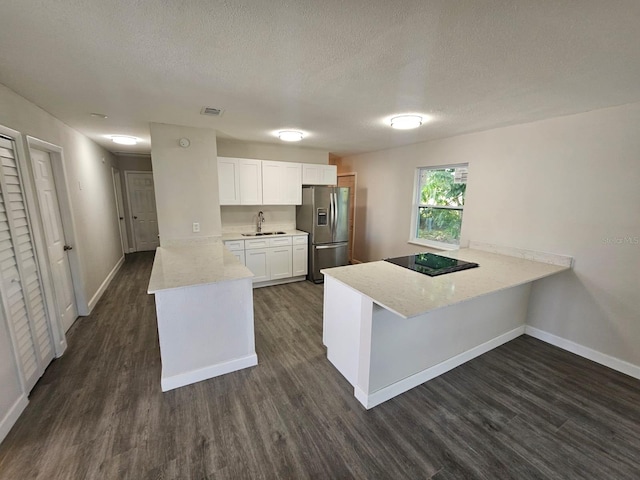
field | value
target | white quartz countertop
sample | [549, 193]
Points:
[187, 266]
[239, 236]
[409, 294]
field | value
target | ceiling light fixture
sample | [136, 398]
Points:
[406, 122]
[290, 135]
[98, 115]
[124, 140]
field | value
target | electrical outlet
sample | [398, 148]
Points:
[196, 227]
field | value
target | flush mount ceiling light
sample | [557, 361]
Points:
[98, 115]
[124, 140]
[290, 135]
[406, 122]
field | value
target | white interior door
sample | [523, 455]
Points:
[142, 202]
[54, 237]
[117, 190]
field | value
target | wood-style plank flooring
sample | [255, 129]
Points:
[524, 410]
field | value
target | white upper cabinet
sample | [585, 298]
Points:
[281, 183]
[250, 181]
[317, 174]
[228, 181]
[239, 181]
[245, 181]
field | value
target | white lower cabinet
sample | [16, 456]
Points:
[237, 248]
[272, 258]
[300, 259]
[279, 259]
[257, 260]
[240, 257]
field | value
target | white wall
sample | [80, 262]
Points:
[268, 151]
[568, 185]
[186, 182]
[88, 168]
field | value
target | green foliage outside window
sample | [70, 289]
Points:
[441, 204]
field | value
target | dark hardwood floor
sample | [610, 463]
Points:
[524, 410]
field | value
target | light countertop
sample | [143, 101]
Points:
[239, 236]
[409, 294]
[187, 266]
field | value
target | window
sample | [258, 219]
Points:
[438, 207]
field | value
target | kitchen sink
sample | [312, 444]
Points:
[261, 234]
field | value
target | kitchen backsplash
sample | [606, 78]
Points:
[243, 218]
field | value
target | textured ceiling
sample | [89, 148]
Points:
[335, 69]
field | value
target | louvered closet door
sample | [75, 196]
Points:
[23, 298]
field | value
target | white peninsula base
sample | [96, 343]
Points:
[205, 331]
[383, 354]
[388, 329]
[204, 308]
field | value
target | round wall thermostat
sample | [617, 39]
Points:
[184, 142]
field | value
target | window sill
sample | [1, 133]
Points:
[431, 244]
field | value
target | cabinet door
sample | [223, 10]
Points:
[228, 181]
[250, 172]
[272, 180]
[279, 262]
[256, 261]
[239, 254]
[300, 260]
[292, 184]
[311, 174]
[329, 175]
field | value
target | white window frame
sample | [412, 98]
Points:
[413, 239]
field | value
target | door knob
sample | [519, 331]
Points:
[121, 218]
[135, 218]
[67, 247]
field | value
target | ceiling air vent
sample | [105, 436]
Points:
[214, 112]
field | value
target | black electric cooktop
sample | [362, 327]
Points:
[431, 264]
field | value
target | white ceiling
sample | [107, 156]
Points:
[333, 68]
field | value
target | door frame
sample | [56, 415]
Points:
[130, 219]
[56, 156]
[117, 180]
[355, 202]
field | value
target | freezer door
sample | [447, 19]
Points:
[341, 214]
[322, 229]
[326, 256]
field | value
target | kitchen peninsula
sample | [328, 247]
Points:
[388, 329]
[204, 306]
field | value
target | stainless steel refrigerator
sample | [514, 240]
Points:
[324, 213]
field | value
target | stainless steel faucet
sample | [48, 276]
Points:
[260, 221]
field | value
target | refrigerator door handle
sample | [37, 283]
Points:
[327, 247]
[332, 213]
[335, 213]
[337, 210]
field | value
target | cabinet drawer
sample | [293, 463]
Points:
[300, 240]
[256, 243]
[279, 242]
[234, 245]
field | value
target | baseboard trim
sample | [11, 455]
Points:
[395, 389]
[282, 281]
[176, 381]
[98, 295]
[586, 352]
[12, 416]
